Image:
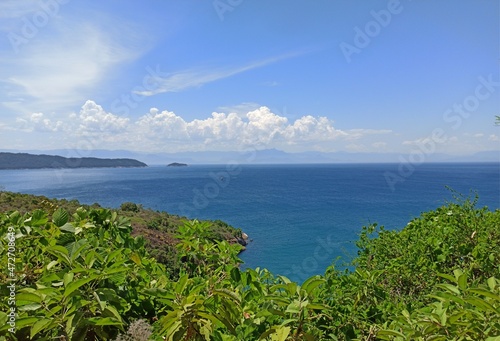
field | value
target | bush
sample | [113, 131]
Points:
[130, 207]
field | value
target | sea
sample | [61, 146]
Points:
[300, 218]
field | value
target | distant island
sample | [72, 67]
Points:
[31, 161]
[176, 164]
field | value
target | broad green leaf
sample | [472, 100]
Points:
[281, 333]
[444, 318]
[60, 252]
[136, 258]
[60, 217]
[288, 321]
[75, 248]
[30, 307]
[71, 287]
[68, 227]
[68, 278]
[111, 271]
[457, 273]
[52, 264]
[38, 218]
[480, 303]
[104, 321]
[29, 297]
[462, 282]
[39, 326]
[448, 277]
[317, 306]
[111, 311]
[388, 332]
[454, 318]
[492, 283]
[228, 293]
[294, 307]
[159, 292]
[26, 321]
[449, 287]
[312, 283]
[486, 293]
[444, 295]
[181, 284]
[3, 318]
[102, 304]
[284, 279]
[235, 274]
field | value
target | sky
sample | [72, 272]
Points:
[227, 75]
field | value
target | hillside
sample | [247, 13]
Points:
[31, 161]
[158, 228]
[82, 275]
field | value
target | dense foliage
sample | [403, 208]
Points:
[83, 276]
[158, 228]
[31, 161]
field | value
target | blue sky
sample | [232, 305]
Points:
[356, 76]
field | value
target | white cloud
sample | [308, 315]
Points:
[182, 80]
[356, 147]
[240, 109]
[162, 126]
[465, 143]
[359, 133]
[62, 63]
[259, 128]
[94, 119]
[15, 9]
[39, 122]
[379, 145]
[166, 131]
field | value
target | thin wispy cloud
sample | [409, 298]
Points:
[11, 9]
[182, 80]
[63, 68]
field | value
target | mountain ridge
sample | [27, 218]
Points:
[271, 156]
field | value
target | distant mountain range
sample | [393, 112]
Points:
[31, 161]
[265, 156]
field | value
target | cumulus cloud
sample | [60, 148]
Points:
[166, 131]
[94, 119]
[258, 128]
[39, 122]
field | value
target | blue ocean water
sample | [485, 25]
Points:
[299, 217]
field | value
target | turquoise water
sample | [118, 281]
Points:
[299, 217]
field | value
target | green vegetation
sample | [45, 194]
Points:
[31, 161]
[80, 274]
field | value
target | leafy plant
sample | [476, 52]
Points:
[83, 275]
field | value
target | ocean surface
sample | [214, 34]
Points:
[300, 218]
